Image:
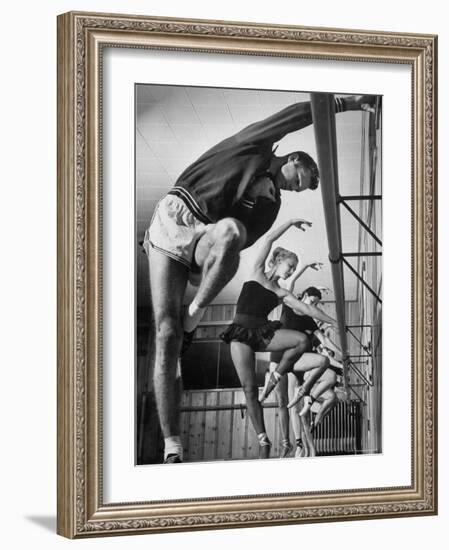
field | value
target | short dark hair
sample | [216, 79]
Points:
[308, 162]
[312, 291]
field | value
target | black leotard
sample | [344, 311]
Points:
[256, 300]
[295, 321]
[251, 324]
[301, 323]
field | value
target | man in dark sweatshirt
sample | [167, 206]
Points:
[221, 204]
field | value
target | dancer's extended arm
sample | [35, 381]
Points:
[313, 265]
[328, 343]
[271, 237]
[305, 309]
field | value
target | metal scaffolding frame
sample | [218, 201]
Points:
[323, 114]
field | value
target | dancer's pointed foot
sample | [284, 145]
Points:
[173, 458]
[312, 427]
[299, 394]
[307, 404]
[270, 383]
[264, 445]
[264, 452]
[300, 452]
[286, 448]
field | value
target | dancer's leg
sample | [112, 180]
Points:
[292, 344]
[329, 402]
[281, 392]
[293, 385]
[305, 422]
[244, 363]
[313, 362]
[327, 380]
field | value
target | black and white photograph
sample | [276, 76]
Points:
[258, 269]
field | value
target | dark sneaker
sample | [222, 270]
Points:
[172, 459]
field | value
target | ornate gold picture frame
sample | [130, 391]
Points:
[82, 40]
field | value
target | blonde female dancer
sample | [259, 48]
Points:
[251, 331]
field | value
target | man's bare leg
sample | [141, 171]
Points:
[217, 255]
[168, 280]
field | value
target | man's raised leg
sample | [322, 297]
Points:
[217, 255]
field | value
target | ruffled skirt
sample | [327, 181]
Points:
[257, 338]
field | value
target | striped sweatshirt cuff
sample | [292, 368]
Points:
[248, 203]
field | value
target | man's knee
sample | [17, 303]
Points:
[168, 331]
[230, 232]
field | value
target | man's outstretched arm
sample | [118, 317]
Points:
[297, 116]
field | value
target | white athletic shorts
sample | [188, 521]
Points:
[174, 230]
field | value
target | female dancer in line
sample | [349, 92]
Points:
[324, 393]
[282, 388]
[294, 316]
[327, 381]
[251, 331]
[309, 362]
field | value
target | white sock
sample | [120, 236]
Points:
[192, 316]
[173, 446]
